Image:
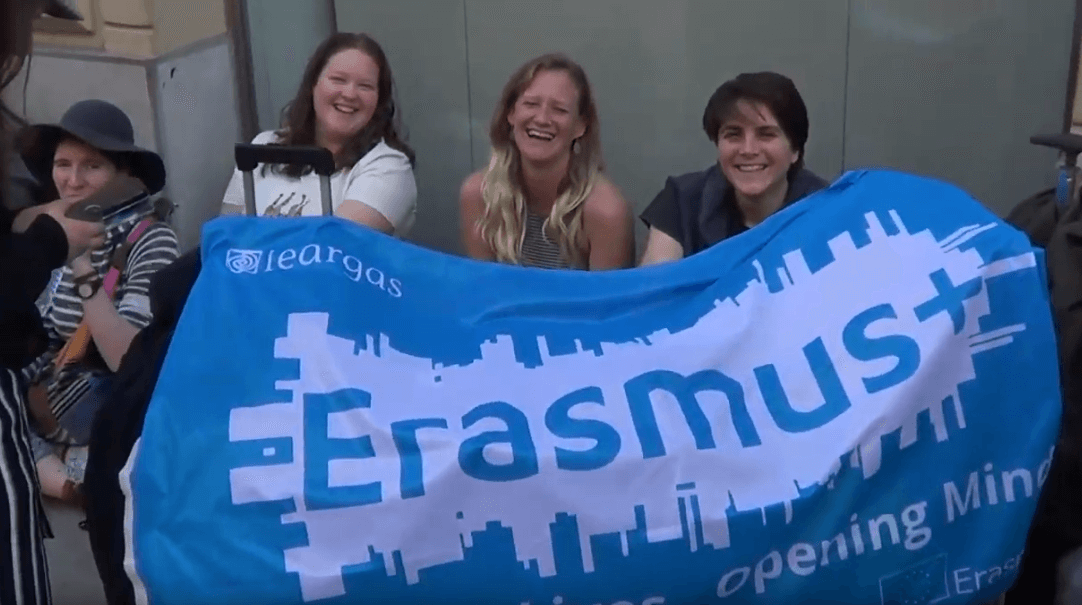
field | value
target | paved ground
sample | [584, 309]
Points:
[75, 578]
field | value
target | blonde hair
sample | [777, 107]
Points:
[502, 224]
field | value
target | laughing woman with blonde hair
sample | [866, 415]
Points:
[543, 201]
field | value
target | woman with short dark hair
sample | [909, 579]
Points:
[100, 299]
[759, 124]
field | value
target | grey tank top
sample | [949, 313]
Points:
[537, 249]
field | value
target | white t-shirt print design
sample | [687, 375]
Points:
[382, 179]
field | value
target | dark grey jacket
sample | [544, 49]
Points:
[698, 209]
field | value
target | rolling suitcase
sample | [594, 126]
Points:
[249, 157]
[119, 423]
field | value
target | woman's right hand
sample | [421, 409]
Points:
[82, 235]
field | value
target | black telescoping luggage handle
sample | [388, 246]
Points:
[1068, 143]
[250, 155]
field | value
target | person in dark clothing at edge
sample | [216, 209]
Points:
[27, 259]
[759, 124]
[119, 424]
[23, 190]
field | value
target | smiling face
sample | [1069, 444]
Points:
[753, 151]
[345, 96]
[545, 118]
[80, 170]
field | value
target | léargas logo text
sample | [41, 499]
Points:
[265, 261]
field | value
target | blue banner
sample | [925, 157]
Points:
[854, 402]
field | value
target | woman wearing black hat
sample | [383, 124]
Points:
[100, 300]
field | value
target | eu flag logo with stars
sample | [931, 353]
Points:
[920, 584]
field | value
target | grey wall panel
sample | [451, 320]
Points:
[426, 46]
[654, 65]
[197, 125]
[950, 88]
[283, 35]
[954, 89]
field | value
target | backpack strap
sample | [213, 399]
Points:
[120, 257]
[79, 343]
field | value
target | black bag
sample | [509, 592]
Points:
[119, 424]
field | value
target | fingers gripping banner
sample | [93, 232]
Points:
[855, 402]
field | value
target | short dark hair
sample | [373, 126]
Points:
[776, 92]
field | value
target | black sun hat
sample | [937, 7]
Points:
[99, 124]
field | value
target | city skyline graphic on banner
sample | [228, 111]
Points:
[733, 417]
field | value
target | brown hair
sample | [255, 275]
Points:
[299, 117]
[777, 93]
[16, 31]
[16, 19]
[499, 130]
[502, 223]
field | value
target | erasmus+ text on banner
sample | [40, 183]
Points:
[854, 402]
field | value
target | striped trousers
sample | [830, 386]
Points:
[24, 572]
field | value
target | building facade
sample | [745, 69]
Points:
[926, 87]
[169, 65]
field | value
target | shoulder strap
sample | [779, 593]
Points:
[79, 343]
[120, 257]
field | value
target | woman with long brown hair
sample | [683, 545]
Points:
[543, 200]
[345, 104]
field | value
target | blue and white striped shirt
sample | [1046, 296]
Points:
[156, 248]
